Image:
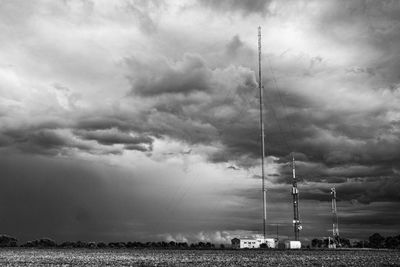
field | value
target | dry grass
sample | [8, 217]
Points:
[128, 257]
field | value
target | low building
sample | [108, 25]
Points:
[292, 244]
[253, 243]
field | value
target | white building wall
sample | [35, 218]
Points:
[256, 243]
[293, 244]
[249, 243]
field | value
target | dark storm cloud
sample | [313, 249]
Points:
[110, 136]
[296, 123]
[113, 136]
[315, 194]
[337, 145]
[319, 172]
[49, 141]
[379, 18]
[186, 76]
[199, 104]
[42, 141]
[360, 190]
[137, 147]
[361, 148]
[384, 189]
[182, 128]
[381, 215]
[374, 23]
[103, 122]
[363, 190]
[245, 7]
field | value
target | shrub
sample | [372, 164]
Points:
[7, 241]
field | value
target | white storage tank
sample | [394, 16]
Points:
[292, 244]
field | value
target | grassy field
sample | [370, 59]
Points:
[135, 257]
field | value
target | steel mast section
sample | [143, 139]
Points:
[335, 224]
[295, 193]
[260, 87]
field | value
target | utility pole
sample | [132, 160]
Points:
[295, 193]
[335, 224]
[260, 87]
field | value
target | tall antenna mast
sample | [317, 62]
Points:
[260, 87]
[296, 219]
[335, 224]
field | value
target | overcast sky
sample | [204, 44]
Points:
[137, 120]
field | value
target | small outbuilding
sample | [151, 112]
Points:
[289, 244]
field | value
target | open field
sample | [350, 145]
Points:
[144, 257]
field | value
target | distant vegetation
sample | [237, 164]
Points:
[374, 241]
[8, 241]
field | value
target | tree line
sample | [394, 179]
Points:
[9, 241]
[374, 241]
